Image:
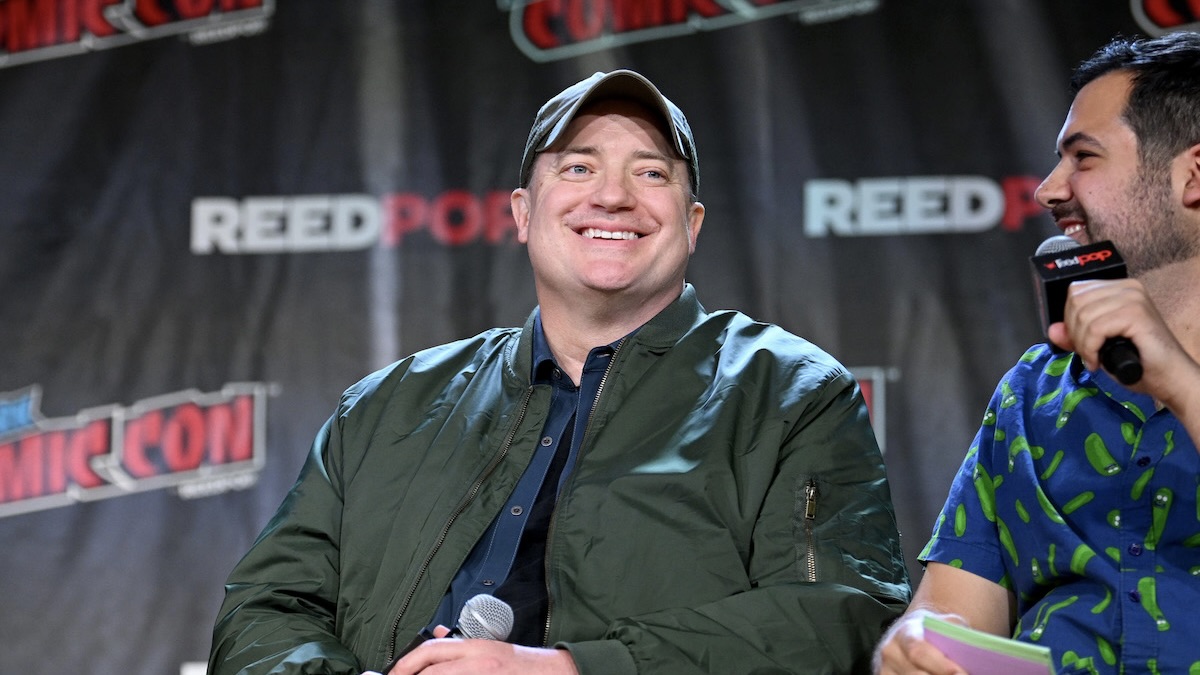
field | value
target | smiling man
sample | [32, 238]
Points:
[1073, 522]
[651, 488]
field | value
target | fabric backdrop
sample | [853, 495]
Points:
[215, 215]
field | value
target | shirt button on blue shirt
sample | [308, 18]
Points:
[1143, 461]
[1135, 549]
[1135, 596]
[547, 441]
[516, 510]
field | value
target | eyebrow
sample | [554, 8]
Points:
[578, 150]
[1075, 139]
[593, 151]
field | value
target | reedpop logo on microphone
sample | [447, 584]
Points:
[1080, 260]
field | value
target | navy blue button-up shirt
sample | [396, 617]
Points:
[515, 542]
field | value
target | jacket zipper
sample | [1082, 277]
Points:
[554, 515]
[810, 518]
[462, 506]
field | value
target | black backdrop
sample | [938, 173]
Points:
[217, 214]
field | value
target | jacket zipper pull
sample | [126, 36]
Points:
[810, 519]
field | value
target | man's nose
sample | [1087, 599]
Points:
[1054, 188]
[614, 191]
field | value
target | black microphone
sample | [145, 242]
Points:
[483, 617]
[1059, 261]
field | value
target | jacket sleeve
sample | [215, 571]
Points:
[280, 600]
[826, 570]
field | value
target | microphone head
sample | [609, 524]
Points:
[1060, 260]
[1055, 244]
[485, 617]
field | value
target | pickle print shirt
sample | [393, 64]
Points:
[1081, 498]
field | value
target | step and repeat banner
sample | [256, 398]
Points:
[215, 215]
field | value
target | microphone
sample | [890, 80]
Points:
[1059, 261]
[483, 617]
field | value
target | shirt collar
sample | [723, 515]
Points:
[543, 358]
[1106, 383]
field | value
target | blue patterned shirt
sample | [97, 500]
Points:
[1081, 498]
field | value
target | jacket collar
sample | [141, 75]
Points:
[657, 334]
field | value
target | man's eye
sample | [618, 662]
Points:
[578, 169]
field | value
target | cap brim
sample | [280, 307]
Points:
[557, 114]
[622, 84]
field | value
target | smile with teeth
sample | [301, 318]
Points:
[1073, 229]
[596, 233]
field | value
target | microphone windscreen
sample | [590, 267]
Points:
[1055, 244]
[485, 617]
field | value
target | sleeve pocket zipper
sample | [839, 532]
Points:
[810, 518]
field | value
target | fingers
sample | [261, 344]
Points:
[1059, 336]
[904, 650]
[427, 655]
[1097, 310]
[480, 657]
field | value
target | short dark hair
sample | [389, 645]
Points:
[1164, 103]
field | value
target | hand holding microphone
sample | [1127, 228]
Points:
[483, 617]
[1058, 262]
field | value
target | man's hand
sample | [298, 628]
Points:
[448, 656]
[950, 594]
[904, 649]
[1099, 309]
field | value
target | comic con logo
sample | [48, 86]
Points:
[1158, 17]
[198, 443]
[549, 30]
[35, 30]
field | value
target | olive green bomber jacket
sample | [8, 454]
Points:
[729, 511]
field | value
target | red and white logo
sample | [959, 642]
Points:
[1080, 260]
[1158, 17]
[872, 381]
[200, 444]
[36, 30]
[307, 223]
[550, 30]
[914, 205]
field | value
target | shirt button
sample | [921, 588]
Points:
[547, 442]
[489, 582]
[1143, 461]
[516, 510]
[1135, 596]
[1135, 549]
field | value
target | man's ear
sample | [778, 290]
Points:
[1191, 184]
[520, 210]
[695, 220]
